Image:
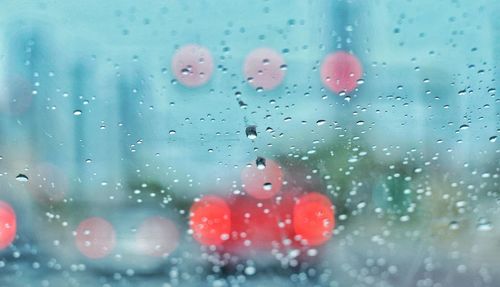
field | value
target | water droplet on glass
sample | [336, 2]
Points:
[250, 270]
[464, 127]
[251, 132]
[320, 122]
[484, 225]
[77, 112]
[21, 177]
[267, 186]
[493, 139]
[261, 163]
[186, 70]
[242, 104]
[312, 252]
[171, 132]
[454, 225]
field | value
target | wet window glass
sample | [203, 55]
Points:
[249, 143]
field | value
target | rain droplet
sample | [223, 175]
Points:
[464, 127]
[360, 123]
[186, 70]
[454, 225]
[404, 218]
[251, 132]
[484, 225]
[261, 163]
[171, 132]
[22, 178]
[77, 112]
[267, 186]
[361, 205]
[312, 252]
[320, 122]
[242, 104]
[493, 139]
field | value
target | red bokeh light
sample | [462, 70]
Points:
[262, 183]
[341, 71]
[210, 220]
[7, 224]
[313, 219]
[260, 225]
[95, 237]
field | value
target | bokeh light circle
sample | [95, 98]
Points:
[313, 219]
[262, 183]
[264, 68]
[95, 237]
[157, 236]
[260, 225]
[8, 224]
[341, 71]
[192, 65]
[210, 220]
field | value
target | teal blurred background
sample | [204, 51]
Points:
[91, 114]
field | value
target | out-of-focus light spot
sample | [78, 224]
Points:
[192, 65]
[7, 224]
[260, 225]
[264, 68]
[157, 236]
[95, 237]
[210, 220]
[262, 183]
[340, 72]
[313, 219]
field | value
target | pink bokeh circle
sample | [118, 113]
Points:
[95, 237]
[262, 183]
[157, 236]
[264, 68]
[192, 65]
[341, 71]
